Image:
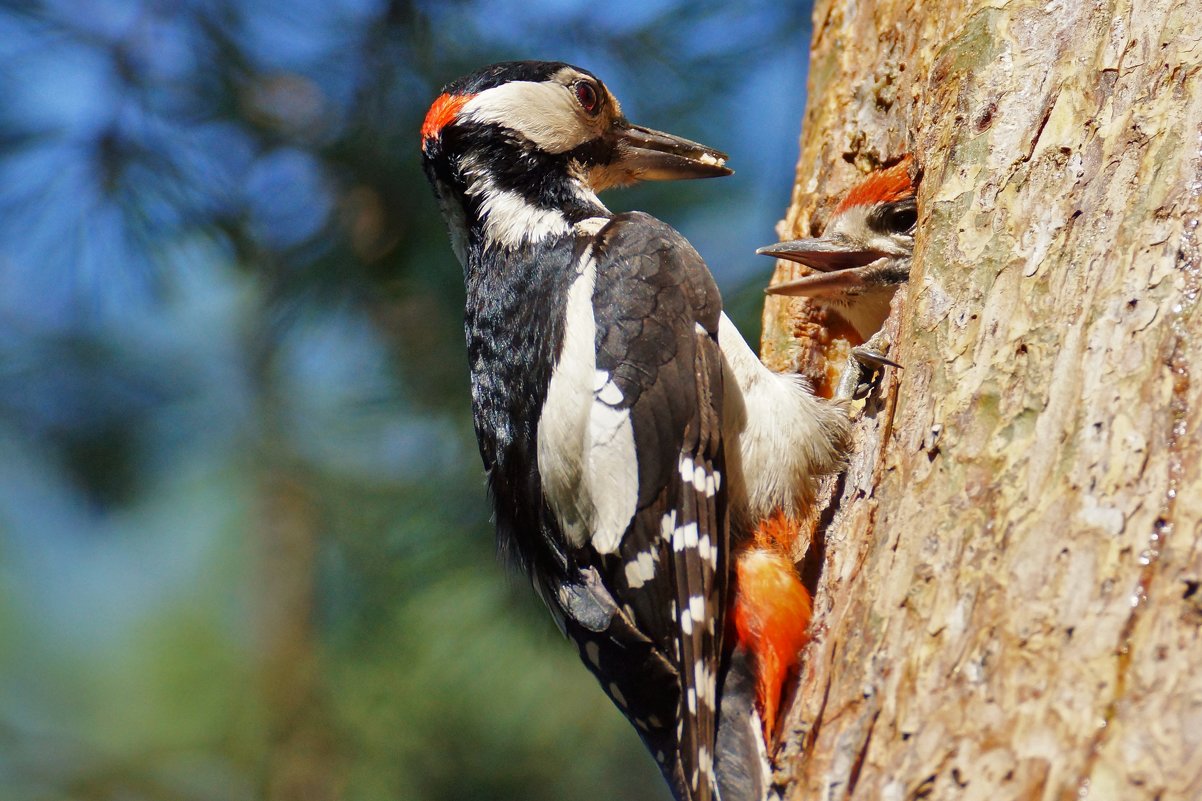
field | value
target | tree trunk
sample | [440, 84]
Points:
[1008, 605]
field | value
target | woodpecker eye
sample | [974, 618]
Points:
[904, 219]
[895, 218]
[586, 93]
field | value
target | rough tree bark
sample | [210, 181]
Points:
[1008, 602]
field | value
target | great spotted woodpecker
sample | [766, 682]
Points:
[630, 435]
[863, 254]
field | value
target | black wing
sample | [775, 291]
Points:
[649, 616]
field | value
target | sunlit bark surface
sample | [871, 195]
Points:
[1008, 603]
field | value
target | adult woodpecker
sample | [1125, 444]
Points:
[629, 433]
[861, 258]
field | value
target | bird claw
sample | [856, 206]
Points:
[865, 366]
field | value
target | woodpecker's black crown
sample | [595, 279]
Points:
[504, 72]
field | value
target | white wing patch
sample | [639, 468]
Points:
[705, 762]
[686, 468]
[697, 608]
[592, 652]
[684, 537]
[667, 524]
[641, 569]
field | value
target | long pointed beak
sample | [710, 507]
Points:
[823, 254]
[822, 285]
[646, 155]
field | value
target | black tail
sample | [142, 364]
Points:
[740, 760]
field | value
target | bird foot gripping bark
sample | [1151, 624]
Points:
[864, 368]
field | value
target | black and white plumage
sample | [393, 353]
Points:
[612, 397]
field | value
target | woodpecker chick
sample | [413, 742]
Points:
[863, 254]
[628, 432]
[862, 257]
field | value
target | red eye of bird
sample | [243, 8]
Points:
[587, 95]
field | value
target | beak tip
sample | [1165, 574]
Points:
[785, 250]
[655, 156]
[777, 290]
[714, 168]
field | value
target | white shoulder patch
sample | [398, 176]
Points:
[611, 466]
[586, 452]
[605, 390]
[564, 419]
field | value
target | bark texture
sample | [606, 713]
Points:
[1009, 601]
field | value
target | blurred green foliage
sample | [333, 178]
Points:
[244, 546]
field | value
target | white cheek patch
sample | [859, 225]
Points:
[547, 113]
[850, 222]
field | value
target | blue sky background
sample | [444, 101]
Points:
[244, 544]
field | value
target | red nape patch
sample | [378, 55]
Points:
[882, 186]
[442, 113]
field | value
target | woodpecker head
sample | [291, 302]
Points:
[864, 252]
[518, 151]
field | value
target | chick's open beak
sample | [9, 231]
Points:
[825, 254]
[837, 261]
